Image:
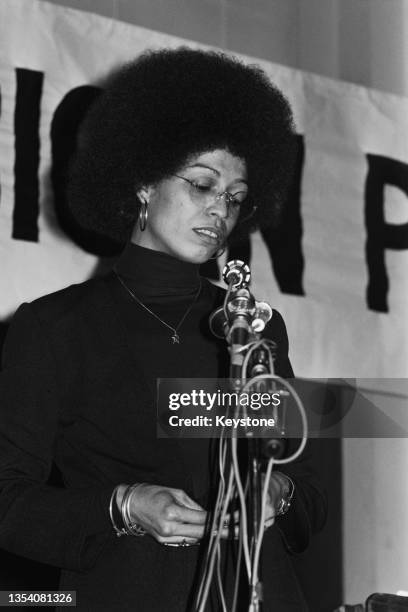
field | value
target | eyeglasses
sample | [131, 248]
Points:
[204, 194]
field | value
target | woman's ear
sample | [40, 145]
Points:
[144, 194]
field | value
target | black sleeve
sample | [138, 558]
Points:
[308, 511]
[63, 527]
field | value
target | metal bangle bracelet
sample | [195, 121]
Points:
[131, 528]
[120, 531]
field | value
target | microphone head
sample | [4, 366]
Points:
[236, 273]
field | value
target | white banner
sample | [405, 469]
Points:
[353, 206]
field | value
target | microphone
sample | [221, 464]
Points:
[236, 273]
[219, 322]
[239, 334]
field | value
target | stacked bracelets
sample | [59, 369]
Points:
[121, 520]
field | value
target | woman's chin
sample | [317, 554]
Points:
[198, 256]
[197, 259]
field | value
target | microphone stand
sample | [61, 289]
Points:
[241, 321]
[241, 313]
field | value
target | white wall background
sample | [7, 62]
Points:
[365, 42]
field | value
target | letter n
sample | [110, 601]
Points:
[284, 242]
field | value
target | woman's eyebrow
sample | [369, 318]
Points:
[198, 165]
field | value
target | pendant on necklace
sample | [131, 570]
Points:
[175, 338]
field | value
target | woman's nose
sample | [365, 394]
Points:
[220, 206]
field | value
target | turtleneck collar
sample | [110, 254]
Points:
[152, 274]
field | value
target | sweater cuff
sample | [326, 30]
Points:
[98, 531]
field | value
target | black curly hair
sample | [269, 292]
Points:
[161, 109]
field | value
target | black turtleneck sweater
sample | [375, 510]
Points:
[78, 388]
[170, 287]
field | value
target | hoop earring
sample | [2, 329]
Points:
[143, 215]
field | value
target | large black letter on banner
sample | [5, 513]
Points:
[284, 243]
[27, 154]
[382, 171]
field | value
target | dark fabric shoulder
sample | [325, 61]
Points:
[70, 300]
[39, 326]
[63, 323]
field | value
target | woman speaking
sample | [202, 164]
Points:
[183, 150]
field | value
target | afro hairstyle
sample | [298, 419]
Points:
[161, 109]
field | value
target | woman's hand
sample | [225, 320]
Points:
[279, 487]
[173, 518]
[168, 515]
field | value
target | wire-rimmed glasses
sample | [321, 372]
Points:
[205, 193]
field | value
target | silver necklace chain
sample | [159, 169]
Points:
[175, 337]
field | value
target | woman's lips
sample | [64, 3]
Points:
[210, 235]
